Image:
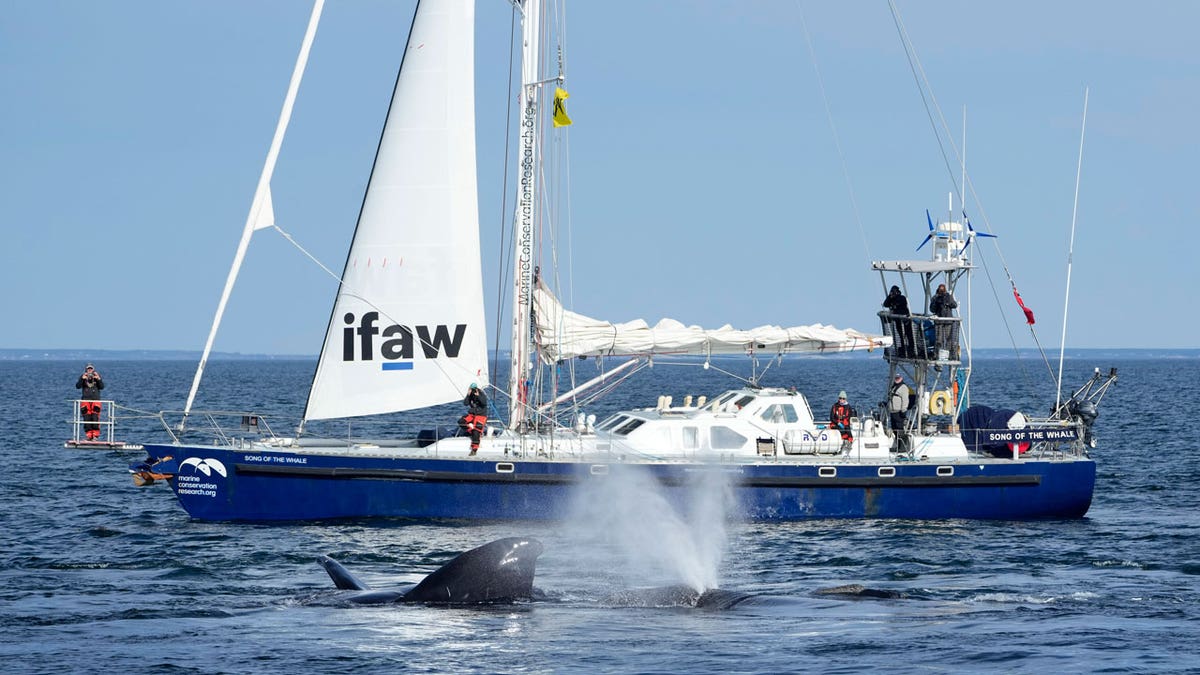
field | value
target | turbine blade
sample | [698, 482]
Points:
[973, 231]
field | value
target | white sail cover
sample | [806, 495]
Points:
[407, 329]
[563, 334]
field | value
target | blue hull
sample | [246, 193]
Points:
[223, 485]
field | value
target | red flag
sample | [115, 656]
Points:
[1028, 312]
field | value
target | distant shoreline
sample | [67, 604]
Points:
[138, 355]
[184, 355]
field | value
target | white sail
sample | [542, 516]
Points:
[563, 334]
[262, 214]
[407, 329]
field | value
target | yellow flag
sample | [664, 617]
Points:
[560, 110]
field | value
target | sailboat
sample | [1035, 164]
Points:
[406, 332]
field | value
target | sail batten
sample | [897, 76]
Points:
[407, 329]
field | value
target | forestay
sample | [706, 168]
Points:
[563, 334]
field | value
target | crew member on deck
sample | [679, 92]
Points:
[897, 305]
[476, 418]
[89, 407]
[839, 418]
[943, 305]
[900, 400]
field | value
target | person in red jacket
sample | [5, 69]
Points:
[475, 421]
[839, 418]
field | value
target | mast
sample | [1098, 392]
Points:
[525, 224]
[261, 213]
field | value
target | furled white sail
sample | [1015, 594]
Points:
[563, 334]
[407, 329]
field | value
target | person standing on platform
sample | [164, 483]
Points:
[943, 305]
[90, 384]
[897, 306]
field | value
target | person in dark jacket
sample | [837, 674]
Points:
[474, 422]
[897, 306]
[90, 384]
[943, 305]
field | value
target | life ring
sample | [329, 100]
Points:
[940, 403]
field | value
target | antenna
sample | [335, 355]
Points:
[967, 235]
[963, 198]
[1071, 250]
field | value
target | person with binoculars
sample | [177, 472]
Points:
[90, 383]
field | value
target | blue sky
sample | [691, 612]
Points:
[705, 181]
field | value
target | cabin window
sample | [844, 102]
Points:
[629, 426]
[725, 398]
[779, 414]
[724, 438]
[743, 402]
[611, 422]
[691, 438]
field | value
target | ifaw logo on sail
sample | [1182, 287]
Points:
[397, 344]
[201, 482]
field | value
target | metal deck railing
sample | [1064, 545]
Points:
[921, 337]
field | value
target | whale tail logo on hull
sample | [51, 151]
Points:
[205, 466]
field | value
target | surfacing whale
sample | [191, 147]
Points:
[681, 595]
[497, 572]
[860, 591]
[678, 595]
[503, 570]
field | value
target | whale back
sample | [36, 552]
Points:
[500, 571]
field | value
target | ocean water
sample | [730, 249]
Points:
[99, 576]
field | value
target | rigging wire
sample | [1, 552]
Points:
[923, 85]
[506, 253]
[833, 128]
[552, 192]
[336, 277]
[344, 289]
[570, 230]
